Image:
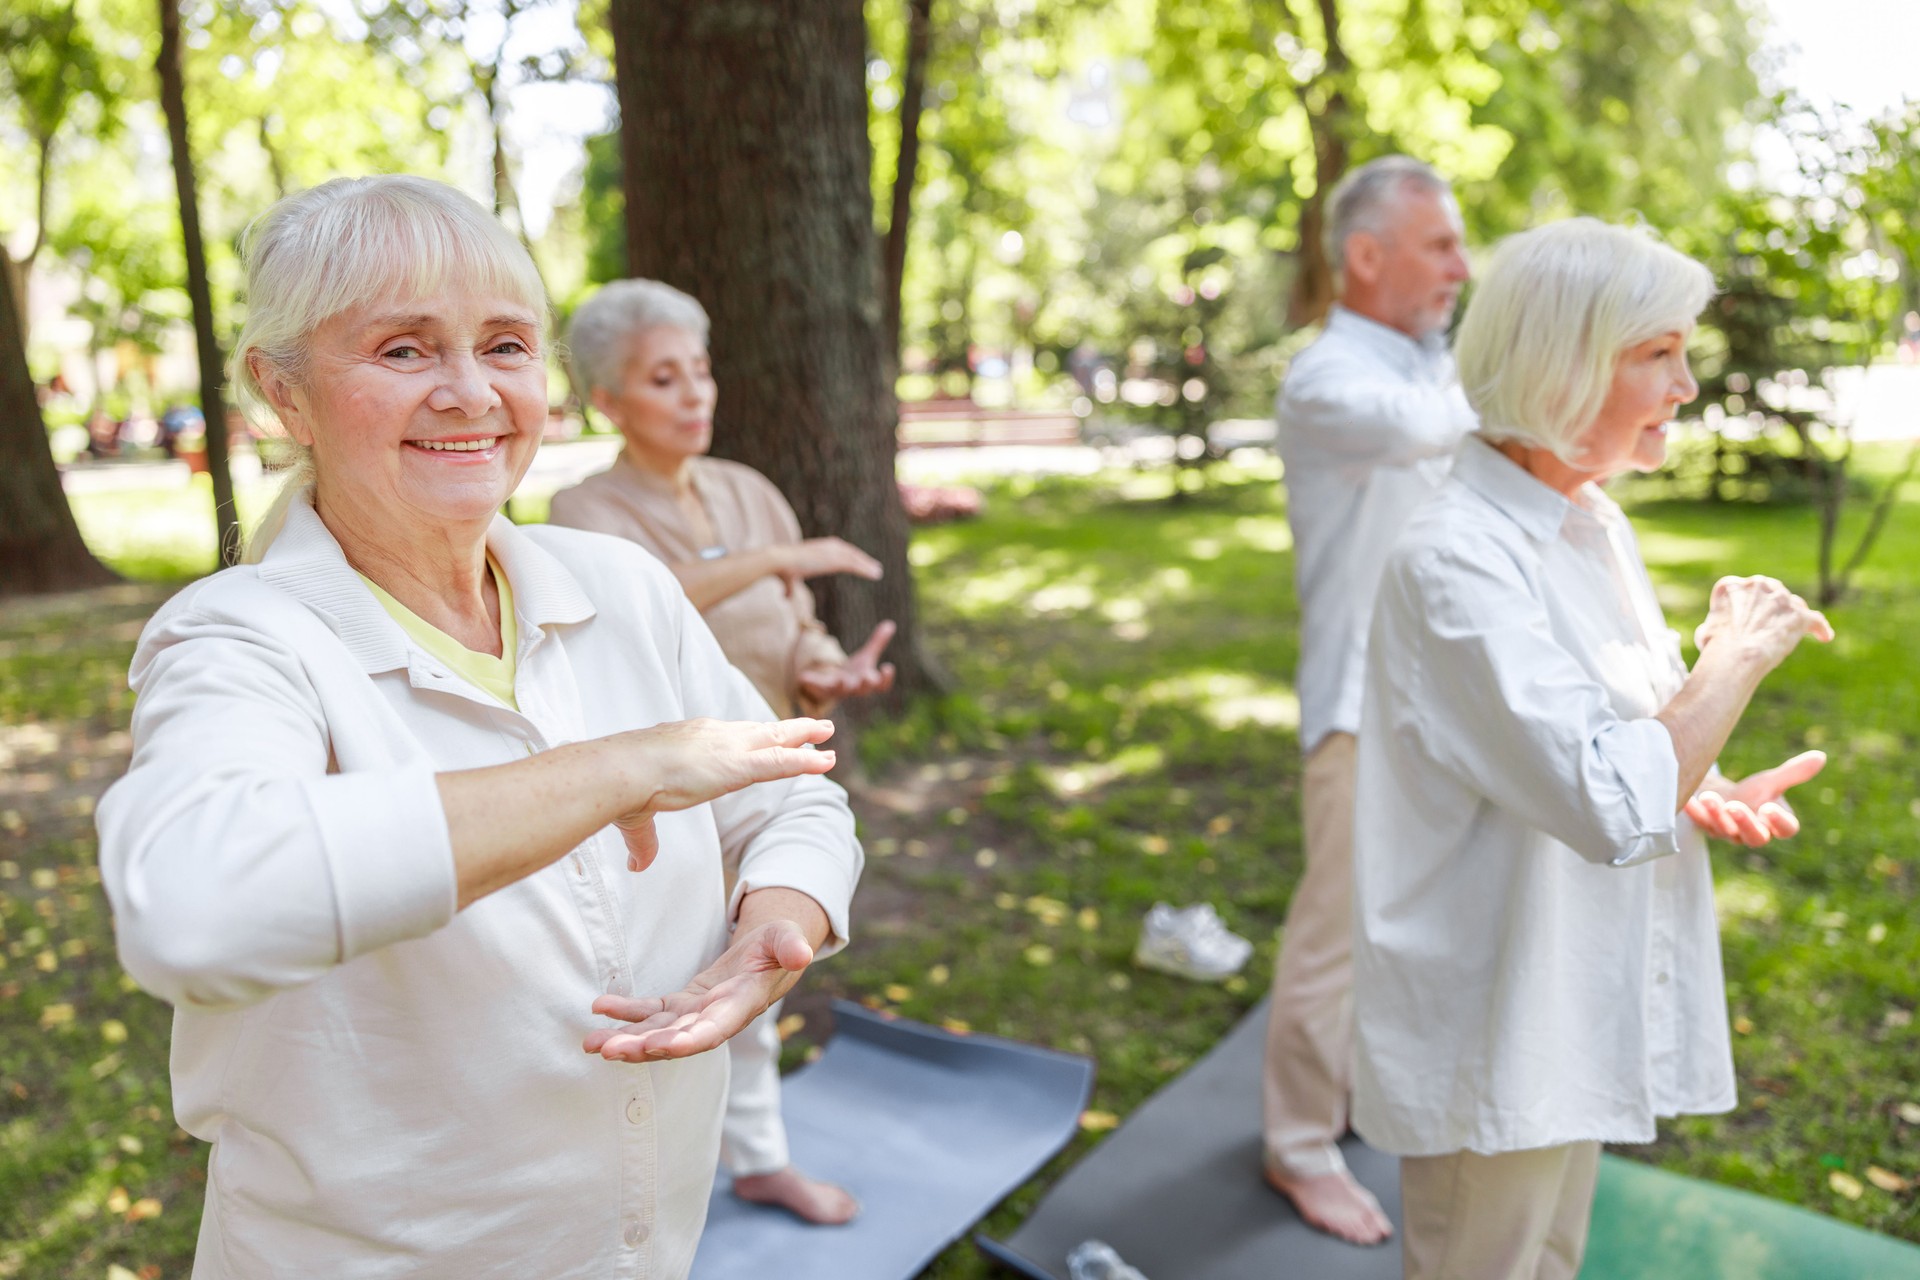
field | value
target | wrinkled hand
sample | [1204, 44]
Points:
[690, 762]
[862, 673]
[1755, 810]
[818, 557]
[1763, 615]
[761, 966]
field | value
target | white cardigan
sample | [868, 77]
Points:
[394, 1088]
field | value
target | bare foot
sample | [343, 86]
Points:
[808, 1199]
[1336, 1204]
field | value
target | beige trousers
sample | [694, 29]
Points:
[1521, 1215]
[753, 1136]
[1309, 1071]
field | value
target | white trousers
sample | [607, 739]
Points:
[753, 1137]
[1309, 1073]
[1520, 1215]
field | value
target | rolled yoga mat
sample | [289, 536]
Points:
[1176, 1190]
[928, 1129]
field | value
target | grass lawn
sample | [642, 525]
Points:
[1125, 733]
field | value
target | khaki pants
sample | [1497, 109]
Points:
[1521, 1215]
[1309, 1071]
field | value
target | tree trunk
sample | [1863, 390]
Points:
[1325, 101]
[893, 265]
[746, 166]
[213, 406]
[40, 546]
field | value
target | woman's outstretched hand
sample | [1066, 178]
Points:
[764, 961]
[690, 762]
[1754, 811]
[862, 673]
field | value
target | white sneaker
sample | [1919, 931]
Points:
[1190, 942]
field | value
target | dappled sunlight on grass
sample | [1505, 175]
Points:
[1230, 699]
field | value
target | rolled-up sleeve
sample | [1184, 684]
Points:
[236, 863]
[795, 833]
[1471, 669]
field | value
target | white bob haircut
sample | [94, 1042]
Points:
[347, 243]
[1364, 199]
[1550, 317]
[600, 336]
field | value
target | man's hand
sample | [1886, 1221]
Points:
[861, 674]
[1754, 811]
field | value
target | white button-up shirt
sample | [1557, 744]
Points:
[1368, 420]
[393, 1088]
[1536, 959]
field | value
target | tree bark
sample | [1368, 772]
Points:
[40, 545]
[1328, 118]
[747, 174]
[213, 406]
[893, 264]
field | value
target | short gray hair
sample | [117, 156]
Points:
[600, 337]
[347, 243]
[1362, 200]
[1547, 323]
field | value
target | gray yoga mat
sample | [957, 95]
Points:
[1177, 1191]
[928, 1129]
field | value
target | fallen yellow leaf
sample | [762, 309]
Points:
[1039, 954]
[44, 878]
[117, 1200]
[1910, 1112]
[117, 1272]
[896, 992]
[113, 1031]
[938, 975]
[790, 1026]
[959, 1026]
[1887, 1179]
[985, 857]
[1845, 1184]
[55, 1015]
[1088, 919]
[1220, 825]
[1098, 1121]
[1153, 845]
[143, 1208]
[1743, 1025]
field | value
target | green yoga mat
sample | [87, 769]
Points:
[1649, 1224]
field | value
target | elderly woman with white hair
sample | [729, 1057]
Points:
[422, 805]
[639, 354]
[1537, 966]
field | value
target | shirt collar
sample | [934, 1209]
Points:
[1385, 339]
[306, 562]
[1540, 511]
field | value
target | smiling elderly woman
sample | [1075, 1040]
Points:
[1537, 967]
[420, 800]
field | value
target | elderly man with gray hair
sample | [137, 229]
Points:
[1369, 417]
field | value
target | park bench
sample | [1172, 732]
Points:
[959, 422]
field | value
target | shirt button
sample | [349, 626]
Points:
[579, 867]
[637, 1111]
[1661, 979]
[635, 1234]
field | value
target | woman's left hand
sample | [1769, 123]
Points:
[862, 673]
[759, 968]
[1754, 811]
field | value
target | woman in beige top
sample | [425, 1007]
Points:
[639, 352]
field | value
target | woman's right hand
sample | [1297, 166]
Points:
[818, 557]
[1761, 618]
[689, 762]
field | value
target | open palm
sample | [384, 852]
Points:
[1754, 810]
